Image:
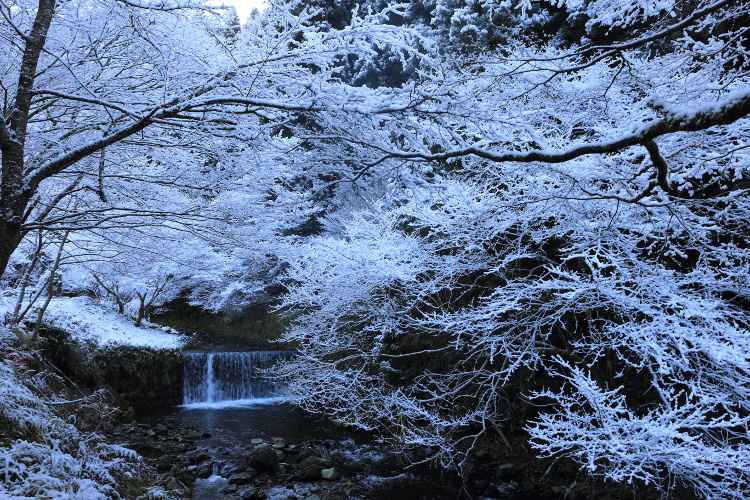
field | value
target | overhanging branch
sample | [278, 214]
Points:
[724, 112]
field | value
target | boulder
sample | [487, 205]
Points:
[243, 477]
[185, 476]
[330, 474]
[233, 467]
[197, 457]
[307, 452]
[253, 494]
[310, 469]
[264, 457]
[143, 445]
[204, 470]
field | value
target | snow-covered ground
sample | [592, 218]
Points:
[86, 319]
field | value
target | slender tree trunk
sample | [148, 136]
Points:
[50, 288]
[141, 308]
[114, 291]
[17, 316]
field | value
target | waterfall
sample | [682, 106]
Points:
[230, 376]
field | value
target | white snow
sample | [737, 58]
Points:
[86, 319]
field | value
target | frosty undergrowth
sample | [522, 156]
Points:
[43, 456]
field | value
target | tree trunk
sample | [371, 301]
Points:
[14, 193]
[50, 287]
[24, 281]
[141, 309]
[10, 237]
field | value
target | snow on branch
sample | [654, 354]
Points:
[688, 440]
[173, 5]
[675, 119]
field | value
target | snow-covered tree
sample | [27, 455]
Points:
[565, 244]
[93, 86]
[555, 217]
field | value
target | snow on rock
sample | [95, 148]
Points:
[87, 320]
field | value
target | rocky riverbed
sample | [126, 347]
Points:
[272, 468]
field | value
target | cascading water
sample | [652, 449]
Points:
[230, 376]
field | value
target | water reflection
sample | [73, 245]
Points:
[235, 423]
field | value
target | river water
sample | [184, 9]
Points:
[226, 398]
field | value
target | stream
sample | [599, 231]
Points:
[226, 396]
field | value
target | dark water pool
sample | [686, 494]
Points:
[234, 423]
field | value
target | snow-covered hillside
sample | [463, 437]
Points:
[87, 319]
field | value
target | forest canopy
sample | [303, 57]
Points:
[487, 217]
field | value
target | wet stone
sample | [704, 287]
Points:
[203, 470]
[253, 494]
[197, 457]
[231, 488]
[307, 452]
[143, 446]
[330, 474]
[160, 430]
[186, 476]
[242, 477]
[233, 467]
[193, 435]
[183, 447]
[310, 469]
[264, 457]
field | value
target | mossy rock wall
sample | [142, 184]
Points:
[144, 377]
[256, 322]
